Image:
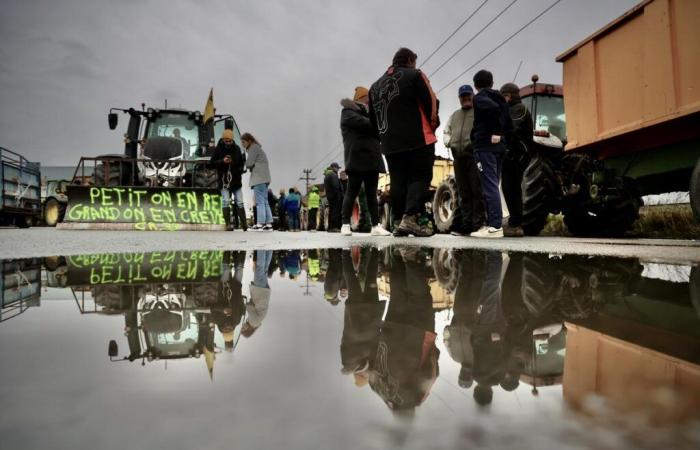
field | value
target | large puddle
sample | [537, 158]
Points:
[348, 348]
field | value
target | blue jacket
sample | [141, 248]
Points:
[293, 203]
[491, 117]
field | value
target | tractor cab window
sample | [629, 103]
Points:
[219, 131]
[550, 114]
[178, 126]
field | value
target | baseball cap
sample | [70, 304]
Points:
[465, 89]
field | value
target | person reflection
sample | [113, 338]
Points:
[488, 333]
[406, 360]
[334, 275]
[363, 315]
[228, 310]
[259, 302]
[458, 334]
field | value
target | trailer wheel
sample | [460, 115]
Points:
[445, 203]
[540, 187]
[606, 219]
[206, 178]
[695, 191]
[53, 212]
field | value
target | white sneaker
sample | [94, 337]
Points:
[379, 230]
[345, 230]
[488, 232]
[256, 227]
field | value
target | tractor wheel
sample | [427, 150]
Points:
[53, 212]
[206, 178]
[109, 174]
[446, 268]
[540, 188]
[606, 219]
[205, 294]
[445, 204]
[109, 297]
[695, 191]
[24, 221]
[538, 285]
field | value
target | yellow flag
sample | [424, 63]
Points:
[209, 108]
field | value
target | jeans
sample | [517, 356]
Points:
[489, 163]
[355, 181]
[293, 220]
[262, 206]
[411, 174]
[262, 264]
[227, 193]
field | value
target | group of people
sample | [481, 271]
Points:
[398, 117]
[489, 137]
[231, 162]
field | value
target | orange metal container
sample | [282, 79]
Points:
[639, 72]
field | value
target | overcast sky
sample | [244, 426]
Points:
[279, 67]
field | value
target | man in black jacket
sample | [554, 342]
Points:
[492, 124]
[334, 195]
[229, 161]
[516, 160]
[403, 109]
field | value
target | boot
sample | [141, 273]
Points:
[242, 221]
[227, 217]
[416, 225]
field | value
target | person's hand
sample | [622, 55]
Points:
[227, 159]
[495, 139]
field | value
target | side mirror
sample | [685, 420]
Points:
[112, 118]
[113, 350]
[228, 124]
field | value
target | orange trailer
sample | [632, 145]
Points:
[632, 102]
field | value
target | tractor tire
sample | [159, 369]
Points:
[538, 285]
[109, 297]
[695, 191]
[445, 203]
[54, 211]
[540, 192]
[24, 221]
[206, 178]
[446, 268]
[205, 294]
[608, 219]
[111, 174]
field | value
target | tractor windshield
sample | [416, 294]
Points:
[179, 126]
[550, 114]
[219, 127]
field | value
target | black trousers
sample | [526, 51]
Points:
[411, 174]
[511, 184]
[335, 206]
[471, 214]
[355, 182]
[313, 212]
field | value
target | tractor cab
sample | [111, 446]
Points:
[546, 104]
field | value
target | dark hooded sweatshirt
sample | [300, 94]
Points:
[491, 117]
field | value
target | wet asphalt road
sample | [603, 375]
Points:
[35, 242]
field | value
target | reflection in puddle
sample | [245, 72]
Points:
[617, 339]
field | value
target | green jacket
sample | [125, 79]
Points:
[314, 200]
[456, 135]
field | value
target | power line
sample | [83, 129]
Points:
[453, 33]
[503, 11]
[500, 45]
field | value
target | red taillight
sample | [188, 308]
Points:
[541, 133]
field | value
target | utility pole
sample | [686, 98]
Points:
[307, 178]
